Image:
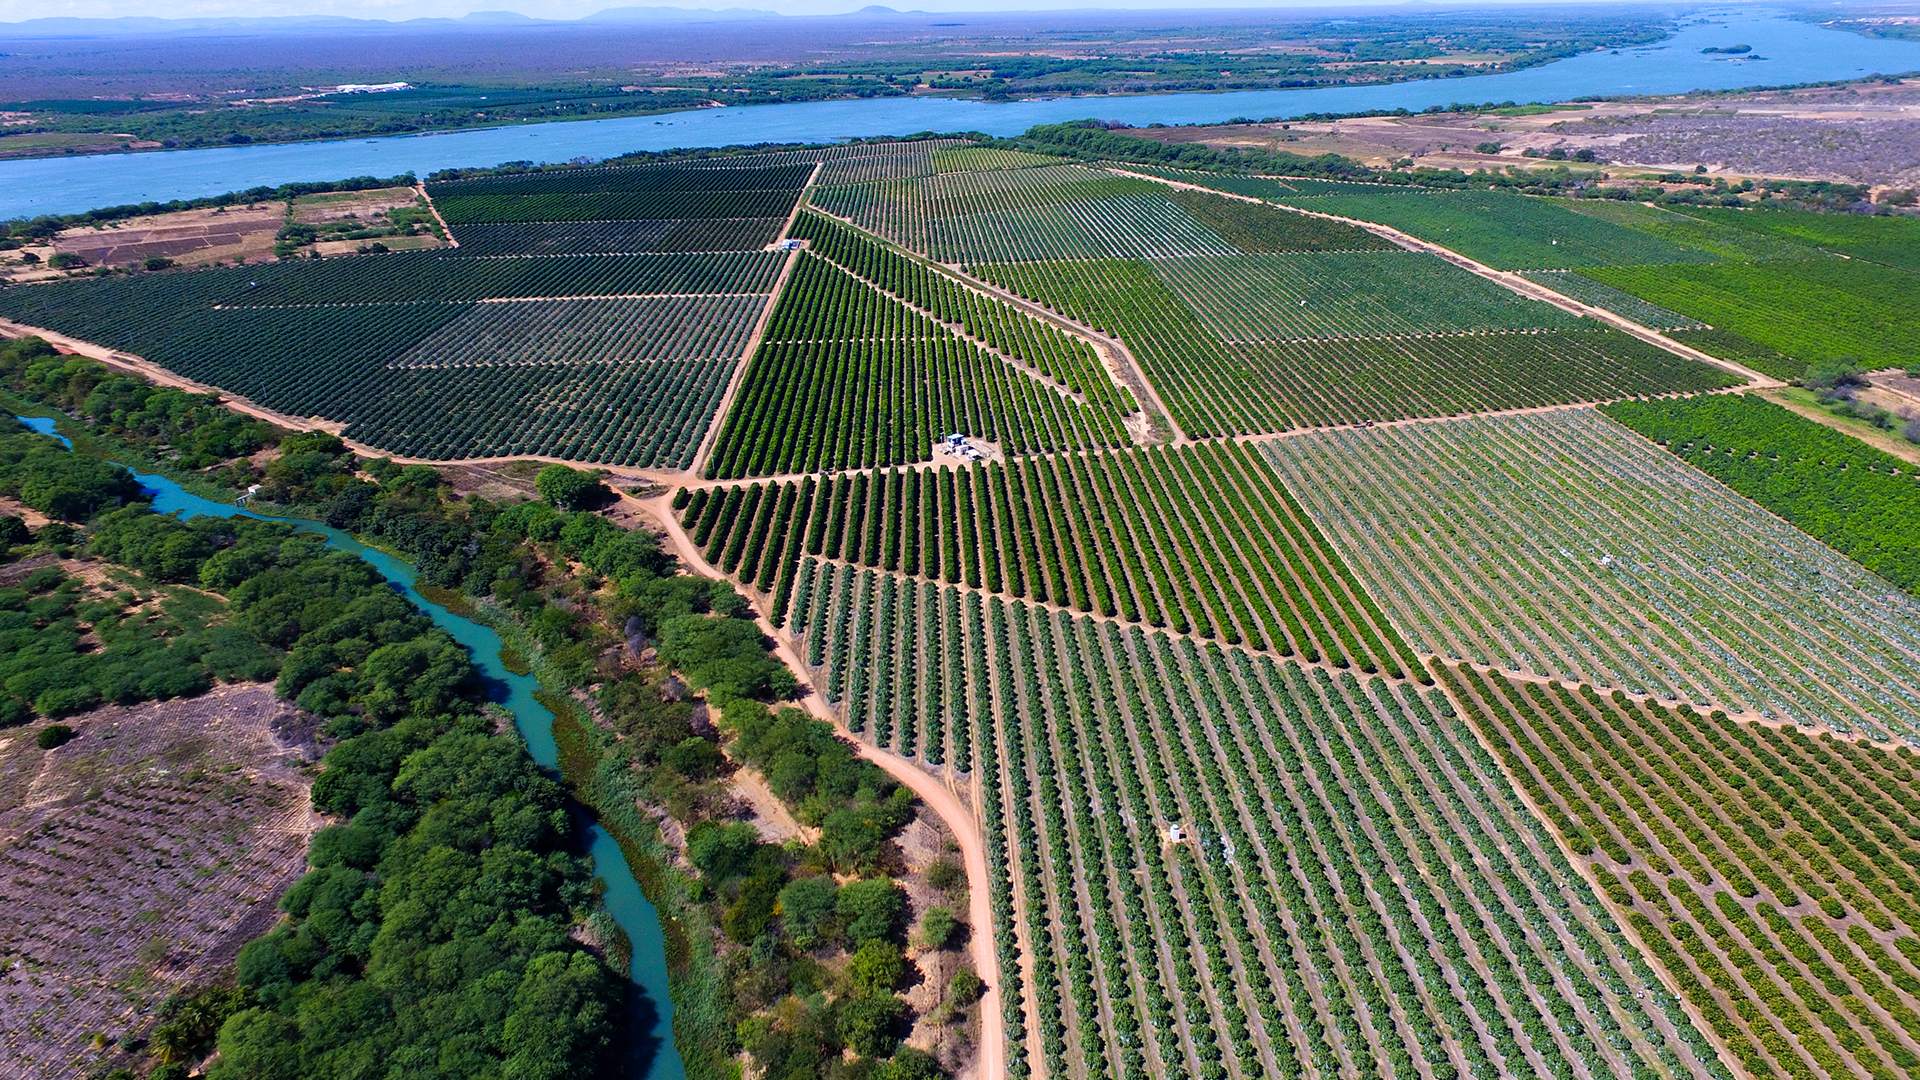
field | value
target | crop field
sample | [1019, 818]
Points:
[1120, 534]
[626, 365]
[1353, 889]
[1687, 226]
[1859, 500]
[1508, 232]
[1054, 212]
[1607, 298]
[1565, 546]
[1770, 871]
[1829, 310]
[137, 860]
[1891, 241]
[618, 237]
[411, 277]
[621, 194]
[1013, 334]
[546, 332]
[1215, 387]
[849, 377]
[1351, 294]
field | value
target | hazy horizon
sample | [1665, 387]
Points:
[17, 11]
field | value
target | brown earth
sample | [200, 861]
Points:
[193, 237]
[137, 859]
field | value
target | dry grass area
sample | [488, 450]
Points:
[925, 841]
[1854, 134]
[136, 860]
[351, 205]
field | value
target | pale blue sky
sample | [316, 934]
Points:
[17, 10]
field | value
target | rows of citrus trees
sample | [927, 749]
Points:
[1349, 294]
[1564, 545]
[1354, 890]
[628, 330]
[618, 237]
[1827, 310]
[1859, 500]
[1200, 539]
[1053, 212]
[1066, 360]
[1771, 872]
[1216, 387]
[622, 194]
[848, 376]
[445, 277]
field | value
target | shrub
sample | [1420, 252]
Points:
[54, 736]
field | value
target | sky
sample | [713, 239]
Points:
[19, 10]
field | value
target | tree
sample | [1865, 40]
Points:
[937, 927]
[965, 988]
[53, 736]
[572, 489]
[877, 966]
[804, 907]
[722, 852]
[869, 1023]
[871, 909]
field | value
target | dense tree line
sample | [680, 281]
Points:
[433, 929]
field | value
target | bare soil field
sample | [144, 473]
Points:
[1866, 133]
[351, 205]
[136, 860]
[190, 237]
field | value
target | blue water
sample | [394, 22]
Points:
[623, 899]
[1793, 52]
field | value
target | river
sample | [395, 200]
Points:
[655, 1057]
[1788, 51]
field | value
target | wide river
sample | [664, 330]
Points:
[1787, 52]
[653, 1055]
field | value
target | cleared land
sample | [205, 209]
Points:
[1563, 545]
[137, 859]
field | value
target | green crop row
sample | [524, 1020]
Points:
[1717, 812]
[1118, 534]
[1066, 360]
[849, 377]
[1216, 387]
[1829, 310]
[1315, 911]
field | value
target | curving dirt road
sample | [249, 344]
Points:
[991, 1062]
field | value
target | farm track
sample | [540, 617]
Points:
[1120, 363]
[934, 792]
[1505, 278]
[741, 364]
[420, 187]
[960, 331]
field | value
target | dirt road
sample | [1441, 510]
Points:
[991, 1062]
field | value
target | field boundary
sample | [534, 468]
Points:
[421, 187]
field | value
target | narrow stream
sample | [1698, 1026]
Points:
[654, 1056]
